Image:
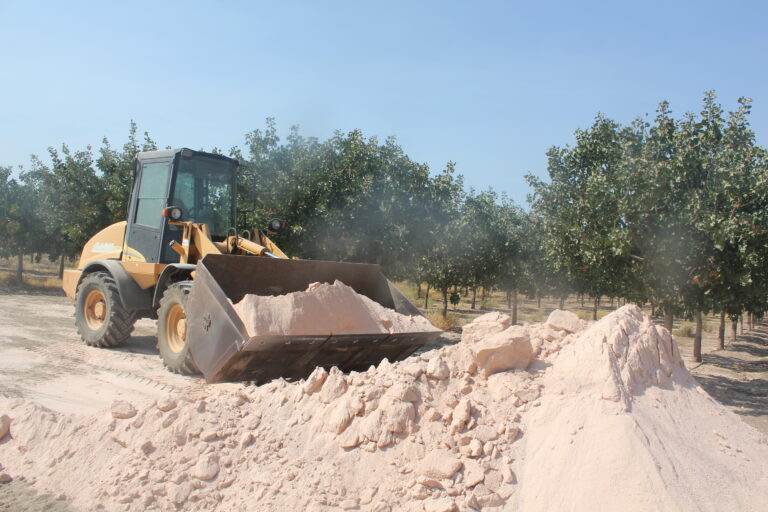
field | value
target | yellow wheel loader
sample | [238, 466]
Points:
[179, 258]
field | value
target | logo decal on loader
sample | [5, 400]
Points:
[104, 247]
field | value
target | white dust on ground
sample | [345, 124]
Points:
[549, 416]
[42, 359]
[323, 309]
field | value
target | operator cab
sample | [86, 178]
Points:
[201, 184]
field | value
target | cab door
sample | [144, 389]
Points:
[146, 221]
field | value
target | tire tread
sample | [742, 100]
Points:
[187, 366]
[120, 323]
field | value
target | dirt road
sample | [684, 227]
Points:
[43, 359]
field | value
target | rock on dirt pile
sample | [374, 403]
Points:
[550, 416]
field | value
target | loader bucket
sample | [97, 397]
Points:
[223, 350]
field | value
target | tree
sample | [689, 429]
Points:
[19, 218]
[75, 198]
[584, 234]
[116, 170]
[737, 280]
[346, 199]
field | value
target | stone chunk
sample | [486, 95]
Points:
[484, 326]
[461, 415]
[439, 464]
[440, 505]
[564, 321]
[123, 410]
[334, 386]
[167, 404]
[438, 369]
[179, 493]
[207, 468]
[315, 380]
[473, 474]
[507, 350]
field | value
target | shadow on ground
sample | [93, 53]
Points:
[738, 376]
[751, 397]
[722, 360]
[18, 496]
[146, 345]
[25, 289]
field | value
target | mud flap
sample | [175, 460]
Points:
[223, 351]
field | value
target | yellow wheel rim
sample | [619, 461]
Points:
[176, 328]
[95, 309]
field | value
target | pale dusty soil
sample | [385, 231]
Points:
[738, 376]
[42, 359]
[18, 496]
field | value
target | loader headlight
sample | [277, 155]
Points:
[172, 212]
[275, 225]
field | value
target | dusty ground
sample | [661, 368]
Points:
[738, 376]
[42, 359]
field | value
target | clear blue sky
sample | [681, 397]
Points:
[489, 85]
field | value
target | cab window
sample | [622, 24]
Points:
[152, 194]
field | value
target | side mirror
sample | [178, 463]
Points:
[172, 212]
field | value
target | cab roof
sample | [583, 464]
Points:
[186, 153]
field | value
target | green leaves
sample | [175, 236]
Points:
[672, 211]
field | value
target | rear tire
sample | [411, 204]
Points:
[172, 330]
[100, 317]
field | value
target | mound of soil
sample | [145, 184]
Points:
[558, 415]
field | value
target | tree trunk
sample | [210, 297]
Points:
[538, 299]
[426, 298]
[582, 300]
[418, 290]
[669, 321]
[594, 309]
[20, 267]
[562, 303]
[611, 303]
[741, 324]
[31, 258]
[721, 332]
[474, 296]
[445, 301]
[509, 299]
[697, 339]
[61, 266]
[734, 326]
[514, 306]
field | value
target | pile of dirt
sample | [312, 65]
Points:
[324, 309]
[541, 417]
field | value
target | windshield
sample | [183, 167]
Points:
[204, 192]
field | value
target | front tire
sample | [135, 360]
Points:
[172, 329]
[100, 317]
